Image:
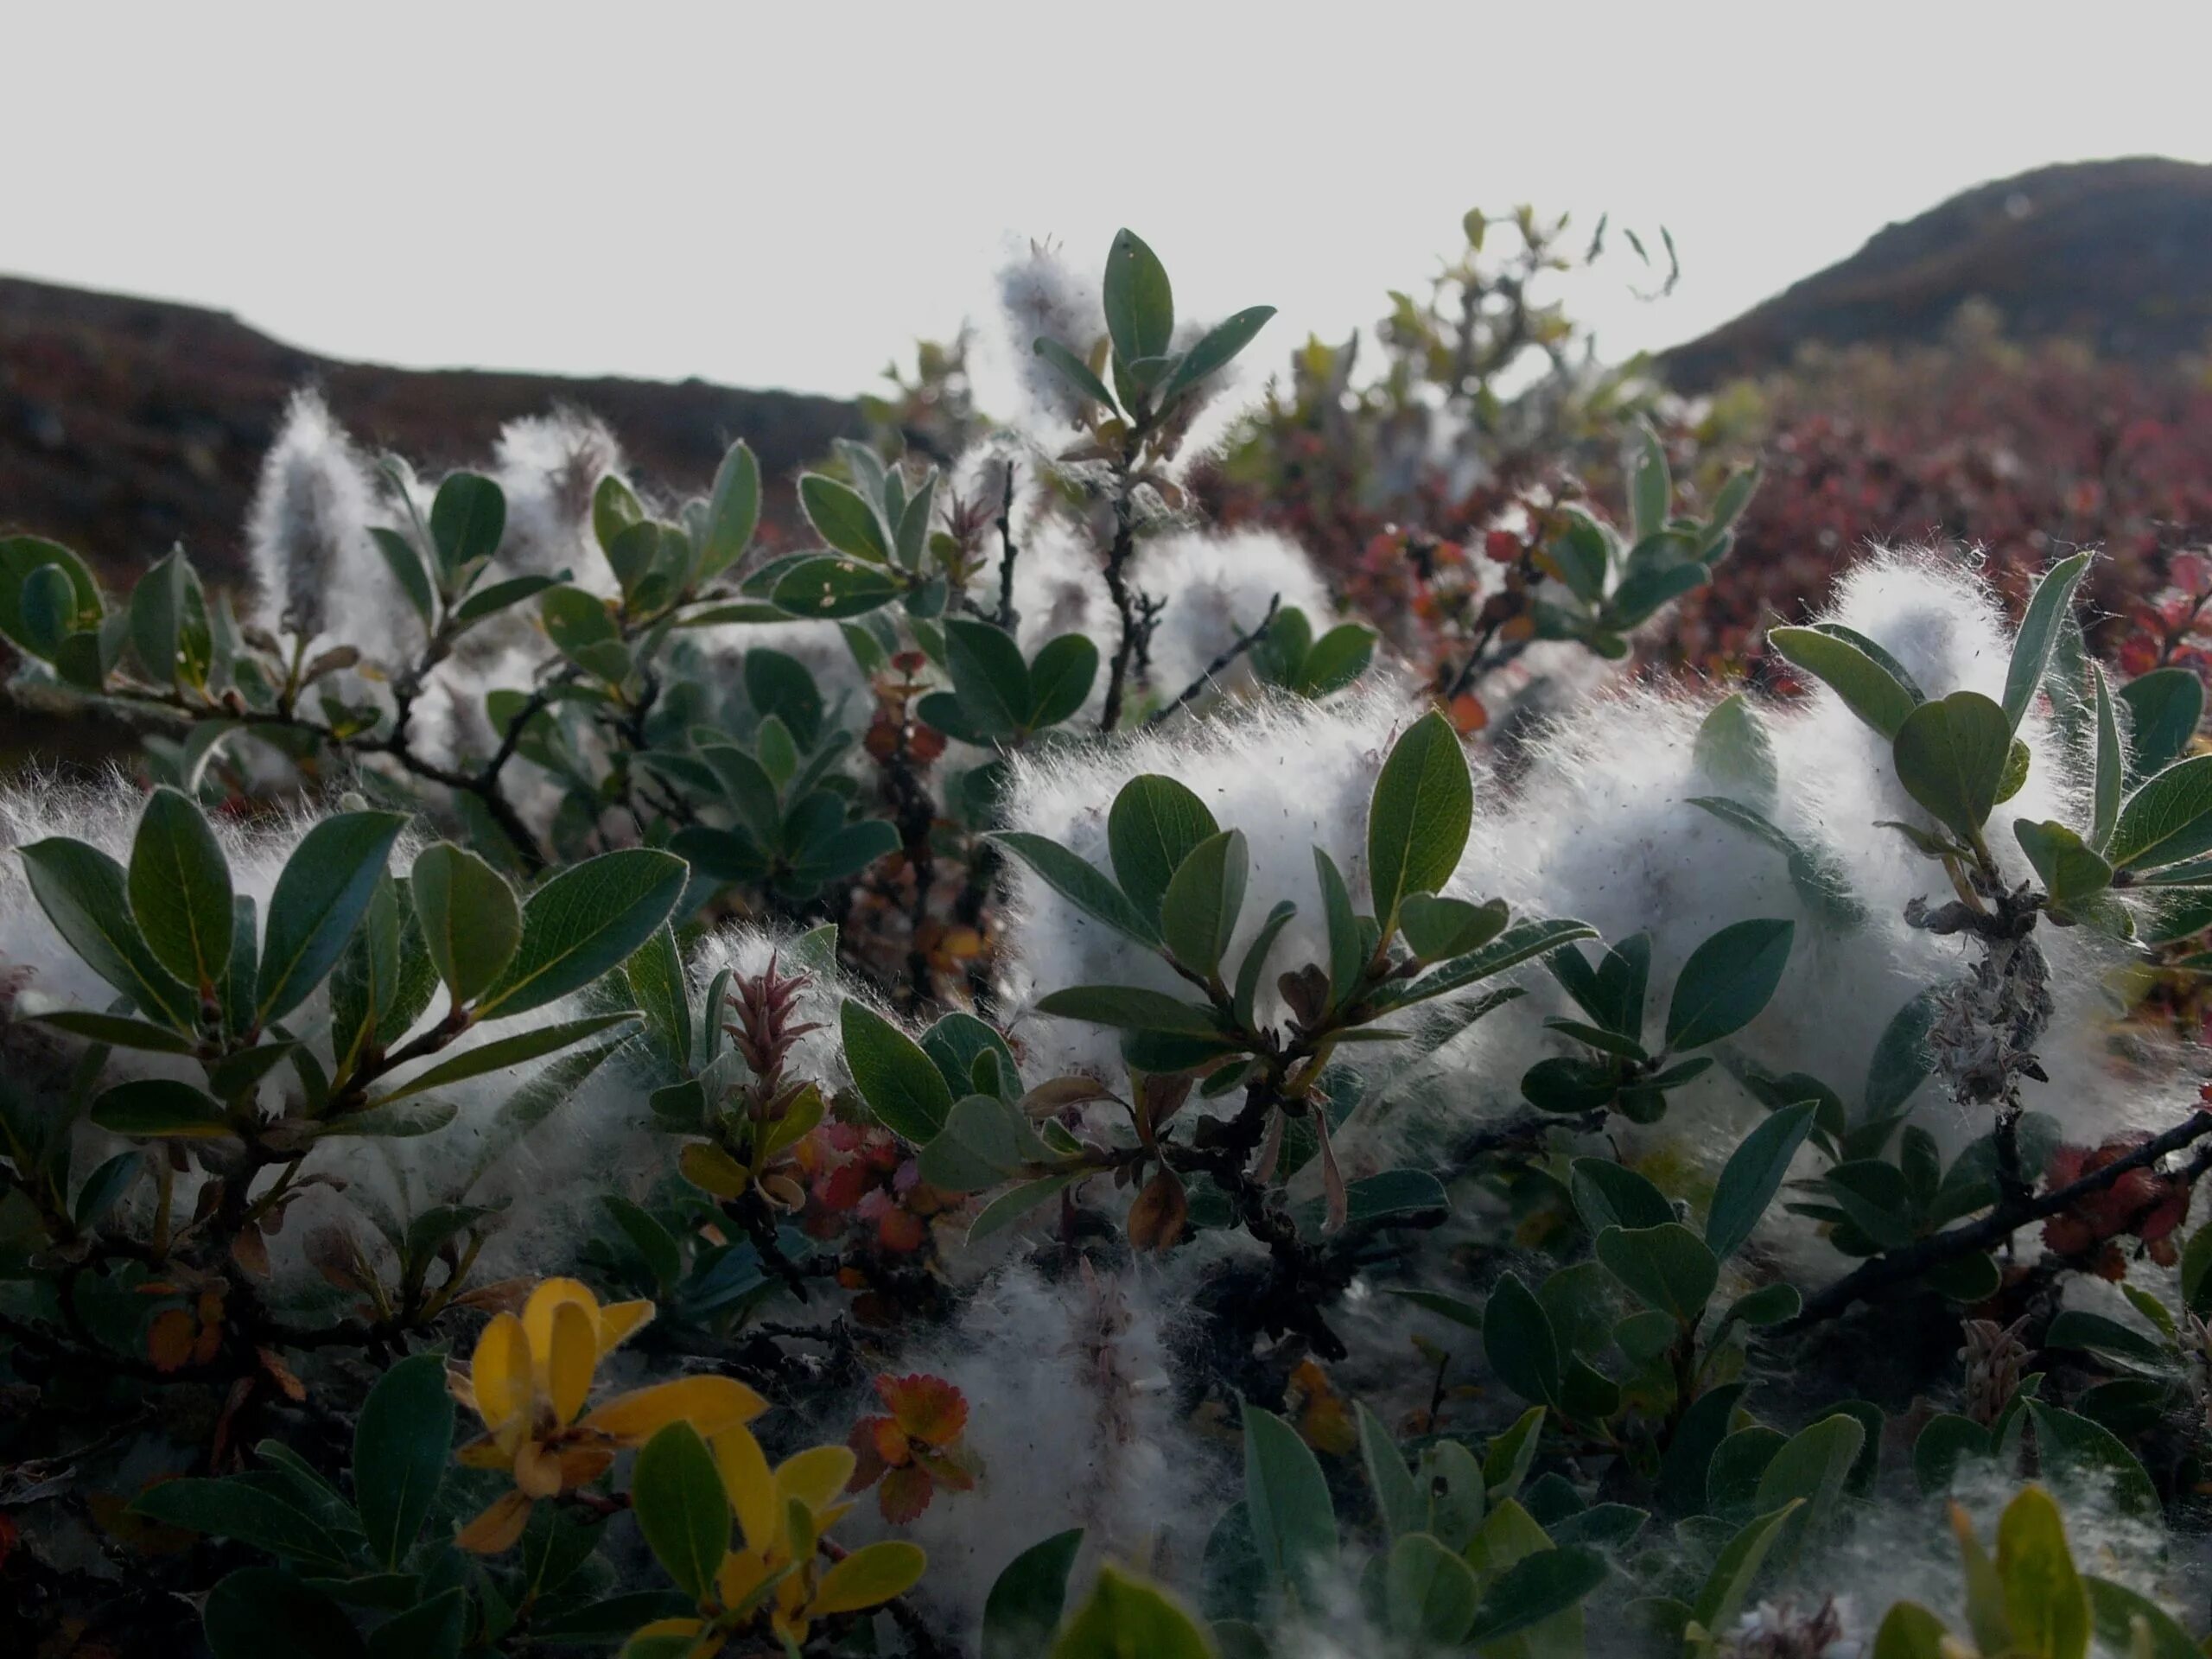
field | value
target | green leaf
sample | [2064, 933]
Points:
[1199, 913]
[1651, 489]
[180, 888]
[899, 1082]
[1002, 1211]
[663, 1257]
[677, 1496]
[958, 1042]
[84, 897]
[833, 588]
[250, 1513]
[1437, 928]
[2068, 869]
[1335, 660]
[1733, 749]
[577, 623]
[1254, 965]
[1727, 981]
[2167, 820]
[1418, 821]
[988, 677]
[1768, 1304]
[170, 626]
[2070, 1444]
[1518, 944]
[663, 991]
[1819, 881]
[515, 1049]
[1151, 828]
[2116, 1611]
[1752, 1176]
[2046, 615]
[1536, 1588]
[1397, 1500]
[1868, 689]
[1131, 1007]
[20, 558]
[1076, 372]
[1215, 350]
[401, 1443]
[469, 517]
[1518, 1341]
[1128, 1619]
[118, 1031]
[985, 1141]
[1951, 756]
[471, 922]
[1607, 1194]
[1026, 1598]
[586, 920]
[1347, 951]
[2111, 769]
[843, 518]
[406, 566]
[1428, 1592]
[2045, 1602]
[1060, 677]
[1082, 884]
[1669, 1268]
[320, 896]
[1813, 1466]
[1294, 1523]
[1901, 1061]
[261, 1612]
[1140, 304]
[1730, 1581]
[2163, 708]
[733, 513]
[430, 1630]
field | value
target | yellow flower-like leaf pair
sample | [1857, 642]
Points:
[783, 1566]
[529, 1379]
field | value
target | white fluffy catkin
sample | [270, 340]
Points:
[307, 539]
[1073, 1420]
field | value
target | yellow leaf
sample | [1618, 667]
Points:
[538, 1313]
[709, 1167]
[742, 1573]
[499, 1371]
[569, 1358]
[816, 1476]
[705, 1643]
[497, 1527]
[752, 1489]
[869, 1578]
[618, 1319]
[710, 1404]
[484, 1453]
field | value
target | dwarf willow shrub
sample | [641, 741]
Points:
[656, 1059]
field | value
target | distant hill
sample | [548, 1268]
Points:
[2118, 254]
[127, 425]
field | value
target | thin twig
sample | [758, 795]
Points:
[1897, 1267]
[1007, 553]
[1237, 648]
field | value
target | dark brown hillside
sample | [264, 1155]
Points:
[127, 425]
[2116, 254]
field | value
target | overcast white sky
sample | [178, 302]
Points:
[788, 194]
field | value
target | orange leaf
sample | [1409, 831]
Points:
[927, 1408]
[497, 1527]
[904, 1494]
[169, 1339]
